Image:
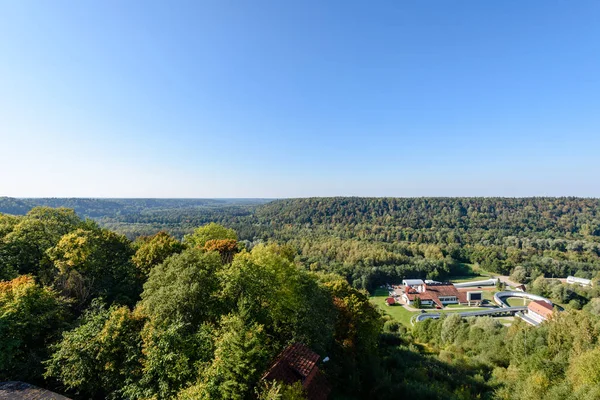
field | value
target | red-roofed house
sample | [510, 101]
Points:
[439, 293]
[390, 301]
[299, 363]
[539, 310]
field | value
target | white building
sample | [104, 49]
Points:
[539, 311]
[579, 281]
[416, 284]
[438, 294]
[475, 297]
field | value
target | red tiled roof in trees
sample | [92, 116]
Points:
[299, 363]
[435, 291]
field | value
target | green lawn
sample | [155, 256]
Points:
[489, 295]
[468, 278]
[398, 312]
[455, 306]
[516, 301]
[478, 270]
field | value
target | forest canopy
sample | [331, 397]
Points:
[114, 300]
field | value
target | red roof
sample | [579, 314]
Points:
[541, 307]
[390, 300]
[299, 363]
[434, 291]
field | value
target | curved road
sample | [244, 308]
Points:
[479, 313]
[500, 297]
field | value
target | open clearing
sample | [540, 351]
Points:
[398, 312]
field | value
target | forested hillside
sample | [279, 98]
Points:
[87, 312]
[138, 217]
[371, 241]
[376, 240]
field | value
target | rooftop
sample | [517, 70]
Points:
[299, 363]
[295, 362]
[24, 391]
[541, 307]
[579, 280]
[413, 282]
[436, 290]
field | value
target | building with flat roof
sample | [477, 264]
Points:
[579, 281]
[416, 284]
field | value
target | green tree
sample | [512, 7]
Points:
[92, 263]
[280, 391]
[241, 355]
[289, 302]
[594, 306]
[208, 232]
[225, 247]
[102, 355]
[173, 356]
[31, 317]
[183, 289]
[518, 274]
[584, 371]
[23, 249]
[357, 328]
[417, 302]
[451, 327]
[153, 250]
[500, 286]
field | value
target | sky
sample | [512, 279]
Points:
[271, 99]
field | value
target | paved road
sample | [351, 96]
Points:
[480, 313]
[506, 279]
[500, 297]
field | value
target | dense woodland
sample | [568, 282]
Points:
[150, 299]
[370, 241]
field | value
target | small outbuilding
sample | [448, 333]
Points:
[573, 280]
[390, 301]
[299, 363]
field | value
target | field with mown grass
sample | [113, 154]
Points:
[398, 312]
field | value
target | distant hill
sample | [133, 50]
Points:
[135, 217]
[564, 214]
[97, 208]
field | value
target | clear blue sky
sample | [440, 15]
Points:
[299, 98]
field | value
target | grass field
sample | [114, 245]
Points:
[402, 315]
[489, 295]
[469, 278]
[517, 301]
[398, 312]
